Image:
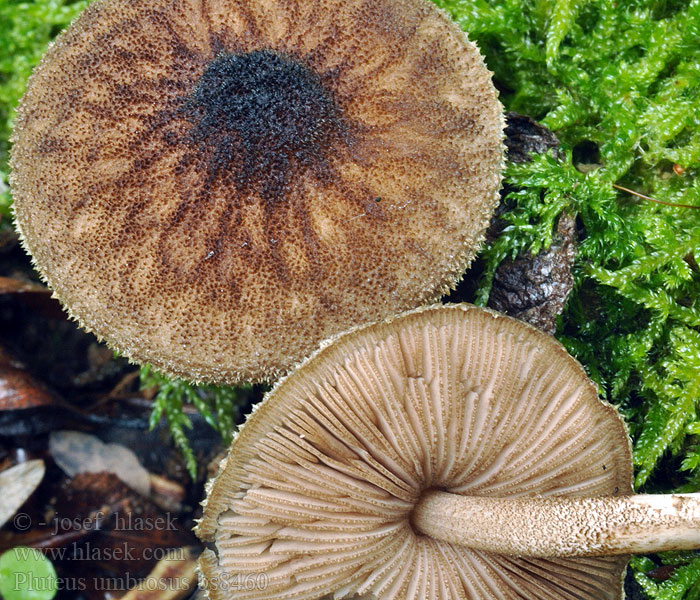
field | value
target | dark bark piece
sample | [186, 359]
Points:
[524, 137]
[534, 289]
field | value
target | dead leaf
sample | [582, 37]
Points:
[77, 452]
[174, 577]
[17, 484]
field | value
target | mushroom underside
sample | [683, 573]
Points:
[318, 488]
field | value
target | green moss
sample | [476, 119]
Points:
[218, 405]
[619, 83]
[682, 572]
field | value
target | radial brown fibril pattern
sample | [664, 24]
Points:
[319, 486]
[215, 187]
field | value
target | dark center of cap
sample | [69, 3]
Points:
[262, 119]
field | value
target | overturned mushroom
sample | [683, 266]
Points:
[215, 187]
[448, 453]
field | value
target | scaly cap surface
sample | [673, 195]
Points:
[215, 187]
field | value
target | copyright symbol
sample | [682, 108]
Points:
[22, 521]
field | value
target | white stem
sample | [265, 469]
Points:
[557, 526]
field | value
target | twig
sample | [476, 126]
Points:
[624, 189]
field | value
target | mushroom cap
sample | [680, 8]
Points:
[216, 187]
[318, 487]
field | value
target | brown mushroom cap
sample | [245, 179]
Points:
[318, 488]
[216, 187]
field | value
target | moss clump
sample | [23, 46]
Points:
[218, 405]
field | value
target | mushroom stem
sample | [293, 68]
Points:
[548, 526]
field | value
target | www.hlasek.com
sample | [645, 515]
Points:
[79, 551]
